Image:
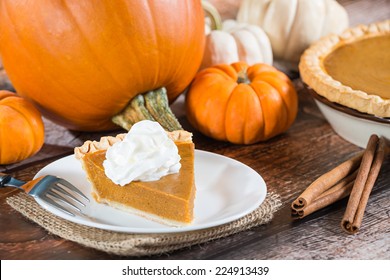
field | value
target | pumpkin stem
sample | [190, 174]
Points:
[212, 13]
[243, 77]
[153, 106]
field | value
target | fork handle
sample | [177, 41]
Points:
[8, 181]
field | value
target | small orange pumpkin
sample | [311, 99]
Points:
[241, 104]
[21, 128]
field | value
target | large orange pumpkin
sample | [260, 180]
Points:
[21, 128]
[81, 62]
[241, 104]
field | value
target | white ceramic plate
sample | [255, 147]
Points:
[226, 190]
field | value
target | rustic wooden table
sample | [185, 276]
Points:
[288, 164]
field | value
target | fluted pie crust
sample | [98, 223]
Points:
[317, 73]
[169, 200]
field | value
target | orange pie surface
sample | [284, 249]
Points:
[169, 200]
[362, 65]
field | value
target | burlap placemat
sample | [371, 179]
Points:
[126, 244]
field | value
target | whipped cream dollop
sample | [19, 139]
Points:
[145, 154]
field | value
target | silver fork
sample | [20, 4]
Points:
[56, 191]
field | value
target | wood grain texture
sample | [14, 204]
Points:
[4, 81]
[5, 84]
[288, 164]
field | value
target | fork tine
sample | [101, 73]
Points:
[56, 205]
[71, 187]
[63, 200]
[67, 194]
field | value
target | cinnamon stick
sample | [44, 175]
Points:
[341, 185]
[325, 182]
[368, 172]
[337, 192]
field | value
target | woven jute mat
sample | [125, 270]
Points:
[127, 244]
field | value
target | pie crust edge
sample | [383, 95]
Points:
[107, 141]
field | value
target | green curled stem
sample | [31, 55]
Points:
[153, 105]
[212, 13]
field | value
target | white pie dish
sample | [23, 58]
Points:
[353, 126]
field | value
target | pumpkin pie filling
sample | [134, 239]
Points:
[169, 200]
[352, 69]
[362, 65]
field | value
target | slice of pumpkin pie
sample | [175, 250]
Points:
[149, 172]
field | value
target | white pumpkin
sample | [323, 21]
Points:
[237, 42]
[292, 25]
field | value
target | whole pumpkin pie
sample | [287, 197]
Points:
[169, 200]
[352, 69]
